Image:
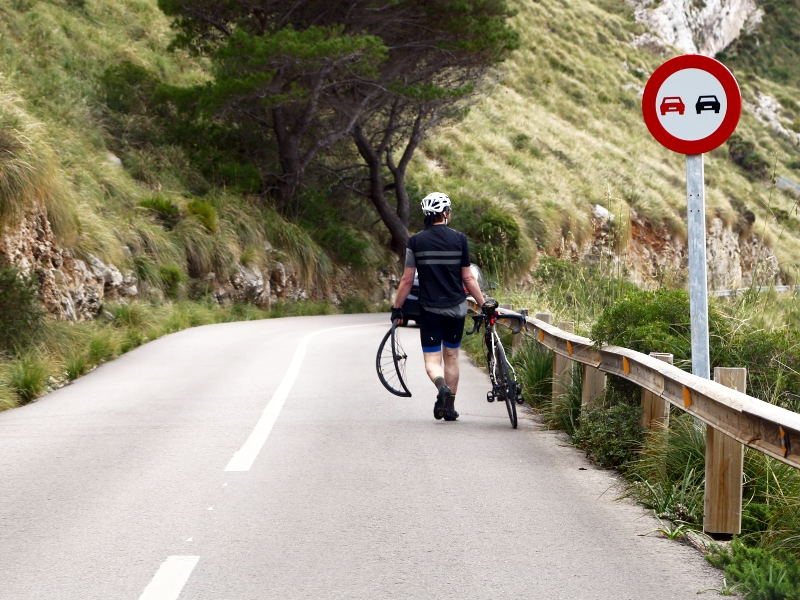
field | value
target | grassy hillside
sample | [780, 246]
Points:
[562, 130]
[558, 131]
[110, 191]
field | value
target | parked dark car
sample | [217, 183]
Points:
[707, 103]
[411, 305]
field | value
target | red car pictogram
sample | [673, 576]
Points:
[672, 104]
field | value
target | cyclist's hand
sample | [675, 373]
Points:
[490, 306]
[397, 314]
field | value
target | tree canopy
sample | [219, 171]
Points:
[312, 73]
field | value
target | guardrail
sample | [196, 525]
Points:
[751, 422]
[762, 288]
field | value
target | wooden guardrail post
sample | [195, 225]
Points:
[546, 317]
[655, 413]
[724, 470]
[593, 383]
[518, 340]
[562, 367]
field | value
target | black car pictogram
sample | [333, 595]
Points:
[707, 103]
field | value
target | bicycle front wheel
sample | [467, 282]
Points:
[506, 382]
[391, 363]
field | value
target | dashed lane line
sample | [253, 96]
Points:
[170, 578]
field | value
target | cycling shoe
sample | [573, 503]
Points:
[441, 400]
[450, 414]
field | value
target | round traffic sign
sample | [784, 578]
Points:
[691, 104]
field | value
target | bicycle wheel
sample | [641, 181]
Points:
[506, 382]
[391, 363]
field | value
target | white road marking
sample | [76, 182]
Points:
[170, 578]
[244, 458]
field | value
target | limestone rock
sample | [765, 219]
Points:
[697, 26]
[69, 288]
[768, 110]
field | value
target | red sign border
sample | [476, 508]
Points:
[729, 84]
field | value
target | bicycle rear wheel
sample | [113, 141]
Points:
[506, 382]
[391, 363]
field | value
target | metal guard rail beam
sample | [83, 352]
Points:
[760, 425]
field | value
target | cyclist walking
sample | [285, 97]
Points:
[441, 256]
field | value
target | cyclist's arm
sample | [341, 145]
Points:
[472, 285]
[405, 286]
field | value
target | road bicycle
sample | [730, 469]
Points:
[504, 378]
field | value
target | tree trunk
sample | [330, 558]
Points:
[289, 156]
[396, 226]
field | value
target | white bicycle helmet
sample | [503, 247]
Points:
[435, 203]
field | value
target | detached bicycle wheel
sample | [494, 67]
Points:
[391, 363]
[507, 383]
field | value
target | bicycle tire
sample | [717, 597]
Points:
[391, 363]
[506, 382]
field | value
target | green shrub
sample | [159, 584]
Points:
[520, 141]
[171, 278]
[610, 432]
[206, 212]
[760, 574]
[128, 87]
[744, 154]
[349, 246]
[356, 305]
[28, 377]
[21, 313]
[657, 321]
[166, 211]
[494, 235]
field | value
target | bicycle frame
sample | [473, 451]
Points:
[502, 374]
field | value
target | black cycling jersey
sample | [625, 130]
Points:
[438, 253]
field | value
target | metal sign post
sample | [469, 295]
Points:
[698, 289]
[692, 104]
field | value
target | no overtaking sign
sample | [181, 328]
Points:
[692, 104]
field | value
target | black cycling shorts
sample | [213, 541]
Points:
[435, 330]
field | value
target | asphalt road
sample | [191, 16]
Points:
[116, 487]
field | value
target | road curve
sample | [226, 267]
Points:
[354, 494]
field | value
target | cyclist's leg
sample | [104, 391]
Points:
[430, 335]
[451, 373]
[452, 332]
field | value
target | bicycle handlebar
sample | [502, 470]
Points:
[481, 318]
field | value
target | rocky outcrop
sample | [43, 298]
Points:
[650, 255]
[70, 289]
[281, 282]
[696, 26]
[768, 111]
